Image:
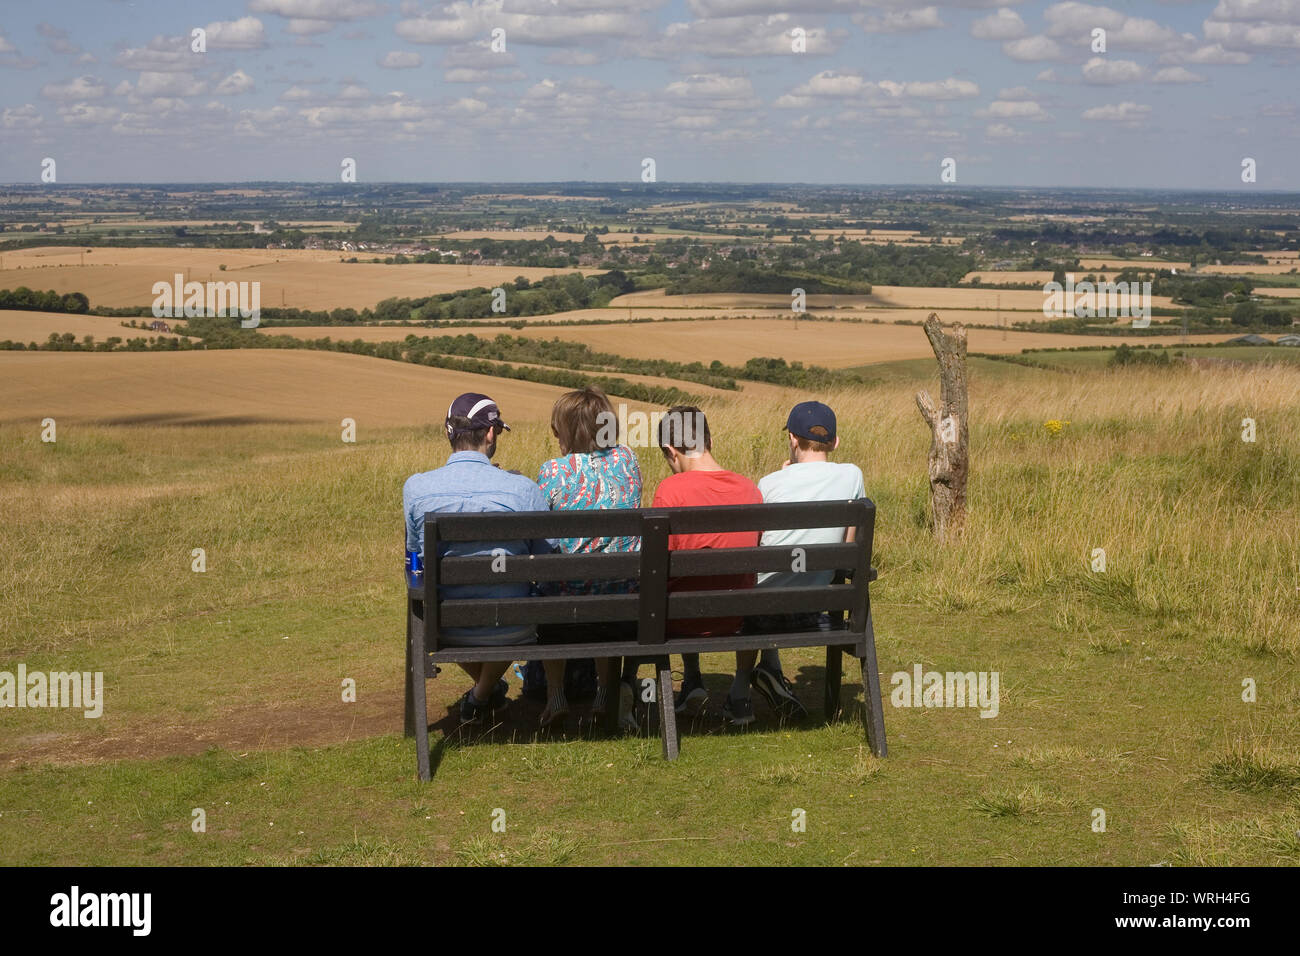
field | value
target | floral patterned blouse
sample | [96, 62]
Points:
[606, 478]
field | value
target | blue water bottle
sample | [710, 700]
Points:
[414, 570]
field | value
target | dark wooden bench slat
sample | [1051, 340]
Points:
[817, 557]
[597, 608]
[595, 565]
[510, 612]
[525, 525]
[766, 517]
[623, 565]
[695, 604]
[674, 645]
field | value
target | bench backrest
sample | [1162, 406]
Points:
[652, 605]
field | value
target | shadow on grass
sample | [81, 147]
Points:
[519, 721]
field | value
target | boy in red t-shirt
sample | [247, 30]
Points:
[697, 480]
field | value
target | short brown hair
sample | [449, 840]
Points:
[464, 440]
[584, 421]
[684, 428]
[811, 444]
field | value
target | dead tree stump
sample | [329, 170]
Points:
[949, 447]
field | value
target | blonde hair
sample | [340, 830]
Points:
[584, 421]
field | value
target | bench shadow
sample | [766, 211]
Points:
[519, 722]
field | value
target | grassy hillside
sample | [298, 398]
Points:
[1120, 690]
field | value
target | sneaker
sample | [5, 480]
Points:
[692, 697]
[738, 711]
[626, 707]
[472, 711]
[777, 691]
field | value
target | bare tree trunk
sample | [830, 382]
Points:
[949, 447]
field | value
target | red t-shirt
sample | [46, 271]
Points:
[695, 489]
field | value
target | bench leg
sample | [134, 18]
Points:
[419, 710]
[834, 673]
[873, 711]
[667, 715]
[613, 694]
[408, 705]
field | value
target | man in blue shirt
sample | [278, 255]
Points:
[469, 482]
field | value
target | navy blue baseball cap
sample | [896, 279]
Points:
[812, 420]
[481, 411]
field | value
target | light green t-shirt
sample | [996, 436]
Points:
[807, 481]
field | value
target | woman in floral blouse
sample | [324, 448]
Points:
[592, 472]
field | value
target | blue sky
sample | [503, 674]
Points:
[882, 91]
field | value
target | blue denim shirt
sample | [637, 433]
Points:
[468, 483]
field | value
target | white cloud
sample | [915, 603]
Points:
[527, 23]
[318, 9]
[1015, 109]
[1126, 112]
[169, 84]
[900, 21]
[83, 114]
[1003, 131]
[1211, 55]
[949, 89]
[400, 60]
[81, 88]
[467, 74]
[1003, 25]
[1103, 71]
[236, 83]
[246, 33]
[21, 117]
[1074, 23]
[1176, 74]
[1030, 49]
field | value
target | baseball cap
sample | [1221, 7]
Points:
[481, 411]
[812, 420]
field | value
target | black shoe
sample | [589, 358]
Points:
[739, 712]
[692, 697]
[777, 691]
[472, 711]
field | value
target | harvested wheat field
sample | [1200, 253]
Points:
[304, 279]
[244, 387]
[1272, 269]
[882, 296]
[1095, 262]
[25, 327]
[1281, 292]
[734, 341]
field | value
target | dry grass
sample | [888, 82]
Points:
[231, 387]
[304, 279]
[36, 326]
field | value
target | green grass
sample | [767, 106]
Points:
[1120, 690]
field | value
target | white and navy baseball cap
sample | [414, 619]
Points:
[481, 411]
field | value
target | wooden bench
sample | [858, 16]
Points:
[652, 606]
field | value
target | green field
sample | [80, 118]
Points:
[1120, 691]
